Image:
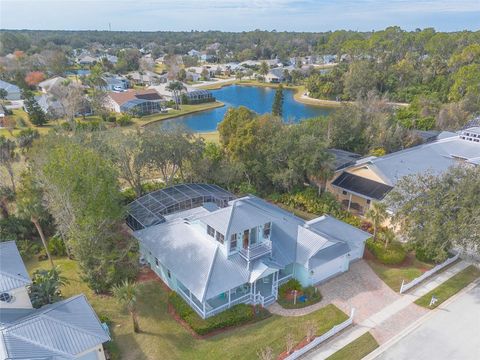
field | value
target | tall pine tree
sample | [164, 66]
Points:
[277, 107]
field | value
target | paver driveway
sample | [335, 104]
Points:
[359, 287]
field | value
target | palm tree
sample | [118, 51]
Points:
[264, 68]
[377, 214]
[175, 87]
[30, 206]
[126, 294]
[388, 237]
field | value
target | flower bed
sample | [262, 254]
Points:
[237, 315]
[292, 295]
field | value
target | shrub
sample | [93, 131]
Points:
[56, 246]
[430, 254]
[308, 200]
[28, 249]
[21, 121]
[124, 120]
[394, 254]
[236, 315]
[292, 284]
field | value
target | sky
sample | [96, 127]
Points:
[239, 15]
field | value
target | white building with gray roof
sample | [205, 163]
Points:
[65, 330]
[217, 251]
[14, 278]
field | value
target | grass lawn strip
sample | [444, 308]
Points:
[450, 287]
[164, 338]
[357, 349]
[393, 275]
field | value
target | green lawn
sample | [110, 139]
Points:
[163, 338]
[184, 110]
[357, 349]
[393, 275]
[450, 287]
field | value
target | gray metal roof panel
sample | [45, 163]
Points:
[329, 253]
[63, 329]
[13, 273]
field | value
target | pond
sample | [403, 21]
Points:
[258, 99]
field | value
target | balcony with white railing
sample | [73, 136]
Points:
[256, 251]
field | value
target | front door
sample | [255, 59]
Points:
[245, 239]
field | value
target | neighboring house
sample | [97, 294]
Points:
[14, 279]
[162, 89]
[217, 251]
[276, 75]
[197, 97]
[194, 53]
[193, 76]
[138, 102]
[2, 113]
[115, 82]
[343, 158]
[47, 85]
[372, 178]
[86, 60]
[67, 329]
[146, 78]
[13, 91]
[50, 105]
[110, 58]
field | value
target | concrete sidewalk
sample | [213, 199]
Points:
[376, 320]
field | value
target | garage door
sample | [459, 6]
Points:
[329, 269]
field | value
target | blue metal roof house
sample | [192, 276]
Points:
[13, 91]
[217, 251]
[67, 329]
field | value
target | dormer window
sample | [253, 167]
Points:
[210, 231]
[220, 238]
[266, 230]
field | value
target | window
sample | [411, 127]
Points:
[368, 201]
[156, 262]
[233, 242]
[344, 192]
[220, 238]
[266, 230]
[5, 297]
[253, 236]
[169, 274]
[210, 231]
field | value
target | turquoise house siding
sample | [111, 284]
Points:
[301, 274]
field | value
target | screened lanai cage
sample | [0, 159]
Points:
[151, 209]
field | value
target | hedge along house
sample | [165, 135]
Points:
[217, 251]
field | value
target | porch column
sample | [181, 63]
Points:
[204, 311]
[229, 298]
[349, 201]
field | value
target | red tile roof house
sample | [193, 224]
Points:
[139, 102]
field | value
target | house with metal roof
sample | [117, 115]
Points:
[14, 278]
[371, 179]
[13, 91]
[217, 251]
[67, 329]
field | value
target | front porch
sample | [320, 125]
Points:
[263, 291]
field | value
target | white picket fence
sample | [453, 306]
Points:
[426, 274]
[318, 340]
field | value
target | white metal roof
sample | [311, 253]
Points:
[13, 273]
[61, 330]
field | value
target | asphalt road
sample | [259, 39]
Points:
[453, 333]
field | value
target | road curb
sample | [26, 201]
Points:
[420, 321]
